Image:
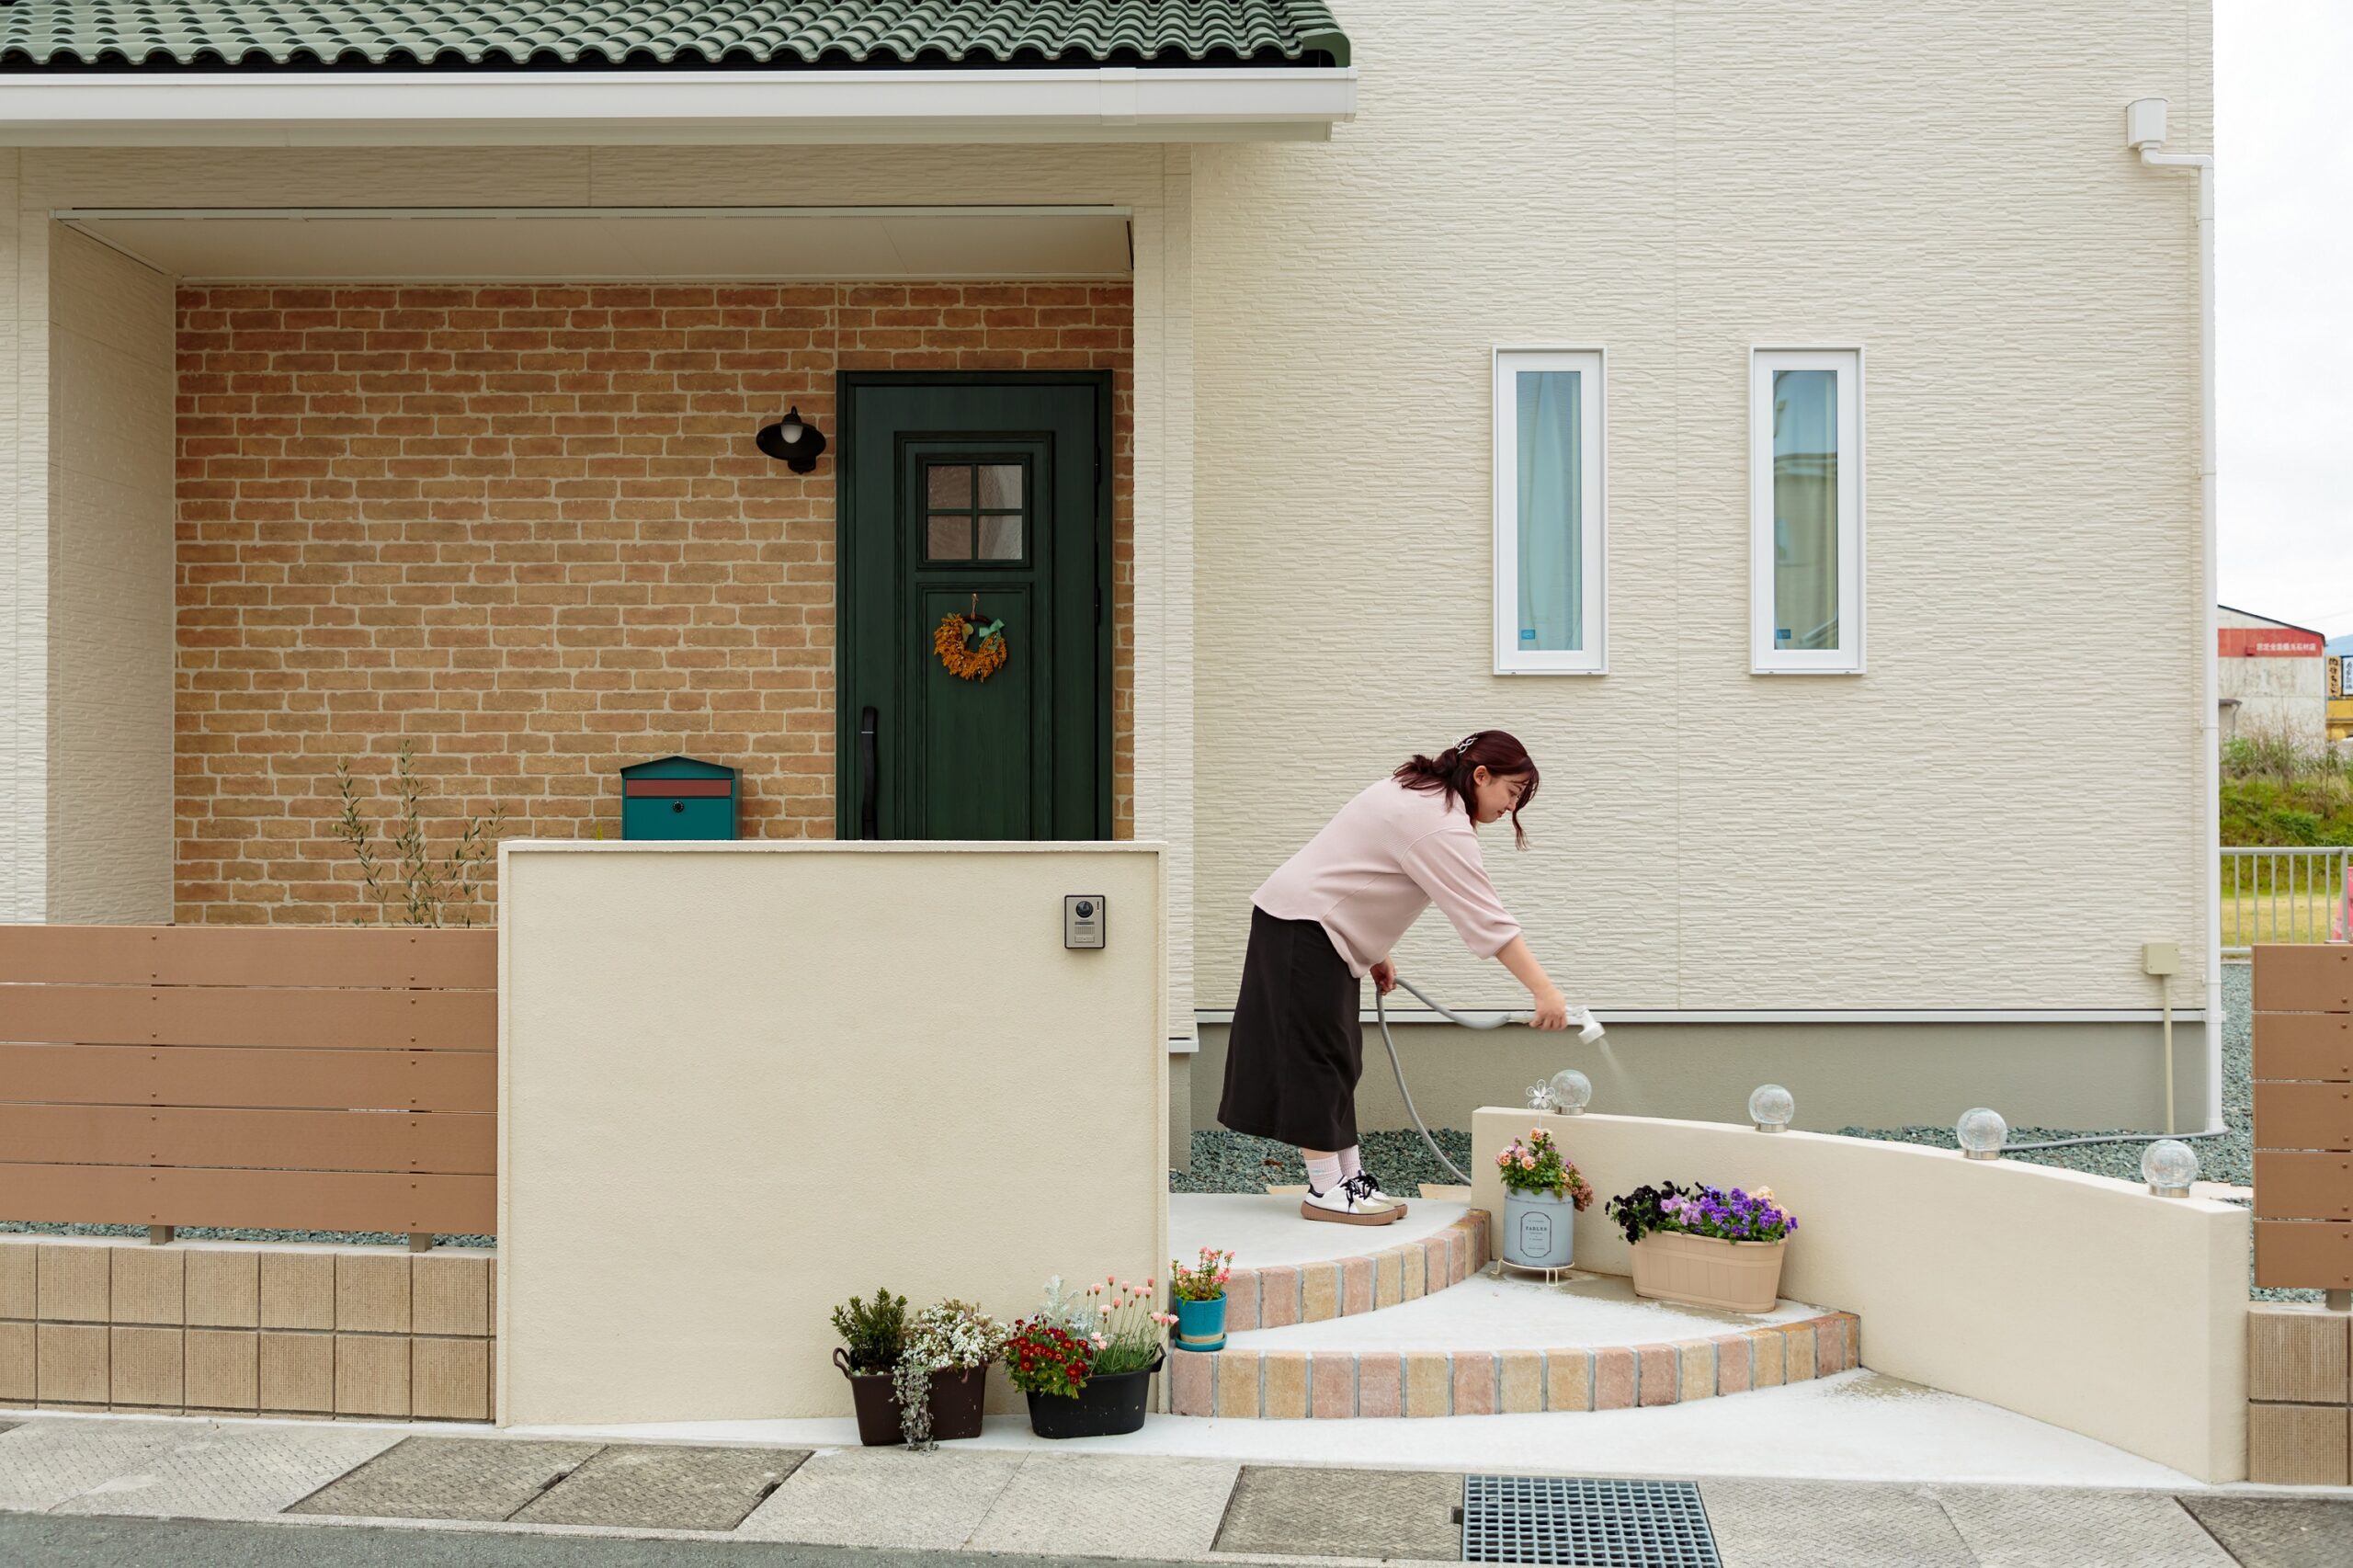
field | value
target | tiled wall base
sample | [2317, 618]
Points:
[1293, 1384]
[314, 1331]
[2299, 1417]
[1343, 1286]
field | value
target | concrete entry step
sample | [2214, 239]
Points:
[1289, 1270]
[1512, 1346]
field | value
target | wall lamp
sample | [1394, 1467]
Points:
[792, 441]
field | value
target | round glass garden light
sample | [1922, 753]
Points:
[1981, 1132]
[2169, 1166]
[1771, 1106]
[1572, 1092]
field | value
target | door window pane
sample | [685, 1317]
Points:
[949, 538]
[1551, 515]
[1001, 484]
[1805, 509]
[949, 484]
[1000, 538]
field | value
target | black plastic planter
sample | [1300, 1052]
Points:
[876, 1401]
[1104, 1408]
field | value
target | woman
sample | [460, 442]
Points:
[1329, 916]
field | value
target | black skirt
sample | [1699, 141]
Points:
[1295, 1050]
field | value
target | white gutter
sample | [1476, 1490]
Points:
[708, 108]
[2144, 133]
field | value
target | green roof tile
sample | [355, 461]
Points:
[260, 35]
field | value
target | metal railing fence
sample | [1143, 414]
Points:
[2285, 894]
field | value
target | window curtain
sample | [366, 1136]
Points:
[1805, 509]
[1551, 512]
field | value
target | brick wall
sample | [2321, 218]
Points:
[524, 529]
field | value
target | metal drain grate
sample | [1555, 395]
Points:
[1570, 1520]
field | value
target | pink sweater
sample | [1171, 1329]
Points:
[1387, 856]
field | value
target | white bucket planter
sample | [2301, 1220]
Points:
[1539, 1230]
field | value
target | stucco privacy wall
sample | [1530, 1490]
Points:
[523, 529]
[739, 1084]
[2073, 1298]
[109, 708]
[1946, 186]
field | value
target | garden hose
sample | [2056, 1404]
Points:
[1588, 1030]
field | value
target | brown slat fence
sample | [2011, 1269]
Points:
[276, 1078]
[2304, 1118]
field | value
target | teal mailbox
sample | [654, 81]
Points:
[677, 797]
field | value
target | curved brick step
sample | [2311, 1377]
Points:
[1280, 1294]
[1249, 1382]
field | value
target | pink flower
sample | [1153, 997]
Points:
[1527, 1162]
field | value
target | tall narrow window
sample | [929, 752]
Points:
[1549, 498]
[1806, 511]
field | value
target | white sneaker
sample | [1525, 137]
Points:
[1348, 1204]
[1364, 1186]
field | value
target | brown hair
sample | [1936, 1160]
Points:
[1497, 751]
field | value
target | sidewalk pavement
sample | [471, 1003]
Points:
[293, 1476]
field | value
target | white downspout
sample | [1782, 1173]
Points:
[2144, 133]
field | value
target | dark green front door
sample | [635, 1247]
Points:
[987, 494]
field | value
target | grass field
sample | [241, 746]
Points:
[2300, 915]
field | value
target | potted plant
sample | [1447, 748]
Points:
[942, 1372]
[1200, 1293]
[873, 1337]
[1086, 1359]
[1542, 1193]
[1706, 1246]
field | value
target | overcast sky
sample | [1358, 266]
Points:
[2284, 90]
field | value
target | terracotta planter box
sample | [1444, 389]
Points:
[1701, 1271]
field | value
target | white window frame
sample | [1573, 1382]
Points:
[1593, 443]
[1764, 658]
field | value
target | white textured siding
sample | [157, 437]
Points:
[24, 552]
[110, 567]
[2006, 804]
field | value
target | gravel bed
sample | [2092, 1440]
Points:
[1234, 1161]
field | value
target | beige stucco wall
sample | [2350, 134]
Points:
[1946, 186]
[110, 567]
[2073, 1298]
[740, 1084]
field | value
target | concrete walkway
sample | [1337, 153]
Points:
[313, 1492]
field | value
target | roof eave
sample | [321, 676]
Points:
[705, 108]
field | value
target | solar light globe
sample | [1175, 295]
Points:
[1770, 1107]
[2169, 1166]
[1572, 1091]
[1981, 1132]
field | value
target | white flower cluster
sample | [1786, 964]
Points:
[955, 1336]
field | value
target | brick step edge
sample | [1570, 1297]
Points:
[1282, 1294]
[1343, 1384]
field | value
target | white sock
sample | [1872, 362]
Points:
[1351, 1163]
[1322, 1171]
